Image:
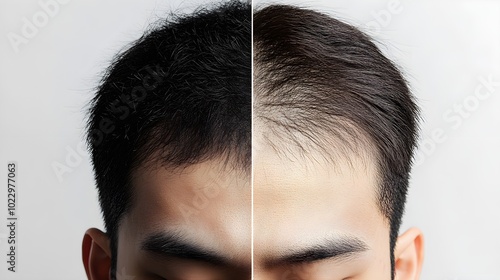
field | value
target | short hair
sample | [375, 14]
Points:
[317, 77]
[181, 94]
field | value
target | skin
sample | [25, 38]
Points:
[314, 219]
[205, 207]
[299, 206]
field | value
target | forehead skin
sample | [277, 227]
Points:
[300, 203]
[206, 204]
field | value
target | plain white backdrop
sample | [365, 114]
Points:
[52, 58]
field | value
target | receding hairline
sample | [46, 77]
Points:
[322, 148]
[283, 124]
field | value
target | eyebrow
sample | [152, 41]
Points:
[167, 245]
[338, 249]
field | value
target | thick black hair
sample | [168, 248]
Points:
[181, 94]
[317, 78]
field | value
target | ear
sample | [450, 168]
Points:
[409, 255]
[96, 254]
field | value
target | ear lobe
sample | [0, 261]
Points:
[409, 255]
[96, 254]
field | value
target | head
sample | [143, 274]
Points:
[169, 134]
[335, 127]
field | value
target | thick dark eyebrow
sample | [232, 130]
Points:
[338, 249]
[167, 245]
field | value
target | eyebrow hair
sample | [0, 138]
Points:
[338, 249]
[166, 244]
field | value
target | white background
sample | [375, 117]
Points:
[445, 49]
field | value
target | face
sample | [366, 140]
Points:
[193, 223]
[311, 221]
[317, 220]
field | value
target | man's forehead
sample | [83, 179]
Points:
[200, 185]
[206, 203]
[308, 199]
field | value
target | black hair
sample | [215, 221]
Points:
[316, 76]
[181, 94]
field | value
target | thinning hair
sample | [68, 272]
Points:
[317, 79]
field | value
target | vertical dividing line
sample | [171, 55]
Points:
[252, 144]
